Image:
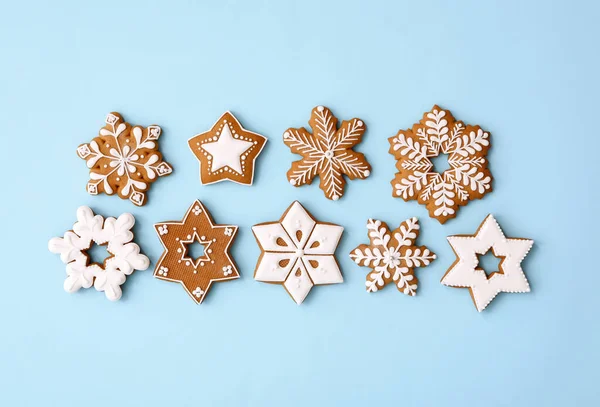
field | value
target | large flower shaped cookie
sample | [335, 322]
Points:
[124, 256]
[466, 147]
[124, 159]
[298, 252]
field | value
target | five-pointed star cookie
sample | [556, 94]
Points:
[327, 152]
[227, 151]
[196, 274]
[465, 273]
[297, 252]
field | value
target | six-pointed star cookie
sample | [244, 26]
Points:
[298, 252]
[196, 274]
[465, 273]
[227, 151]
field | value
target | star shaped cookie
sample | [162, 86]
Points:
[297, 252]
[509, 277]
[227, 151]
[178, 265]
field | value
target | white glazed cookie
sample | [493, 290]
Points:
[465, 273]
[124, 257]
[297, 252]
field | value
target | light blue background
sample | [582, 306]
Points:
[525, 71]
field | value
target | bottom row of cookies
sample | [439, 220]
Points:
[297, 251]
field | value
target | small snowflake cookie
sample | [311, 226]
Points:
[466, 147]
[124, 257]
[392, 256]
[297, 252]
[227, 151]
[465, 273]
[124, 159]
[196, 273]
[327, 152]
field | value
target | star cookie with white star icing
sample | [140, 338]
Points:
[297, 252]
[465, 273]
[227, 151]
[327, 152]
[179, 264]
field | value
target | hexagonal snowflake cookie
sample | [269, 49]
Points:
[468, 176]
[124, 159]
[116, 234]
[297, 252]
[393, 256]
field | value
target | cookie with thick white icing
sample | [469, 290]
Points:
[116, 234]
[466, 273]
[297, 252]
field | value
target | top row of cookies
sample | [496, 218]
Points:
[125, 159]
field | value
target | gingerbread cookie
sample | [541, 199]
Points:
[297, 252]
[464, 272]
[124, 256]
[178, 265]
[327, 152]
[227, 151]
[124, 159]
[468, 176]
[392, 256]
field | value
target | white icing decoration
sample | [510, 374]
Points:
[465, 273]
[226, 151]
[280, 244]
[116, 233]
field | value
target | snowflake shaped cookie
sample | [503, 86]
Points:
[124, 159]
[297, 252]
[227, 151]
[327, 152]
[392, 256]
[178, 265]
[124, 257]
[509, 277]
[468, 176]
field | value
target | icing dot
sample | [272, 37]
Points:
[299, 253]
[187, 263]
[107, 145]
[214, 240]
[189, 236]
[336, 197]
[293, 181]
[177, 239]
[138, 174]
[320, 108]
[194, 228]
[179, 250]
[202, 263]
[360, 123]
[256, 142]
[105, 166]
[195, 271]
[367, 173]
[328, 154]
[127, 140]
[118, 179]
[142, 156]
